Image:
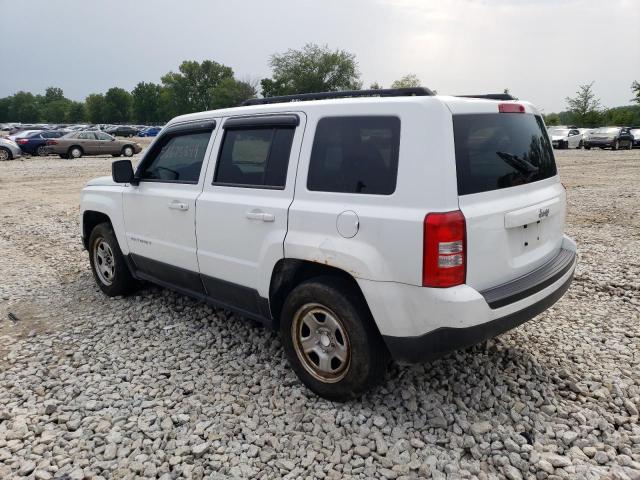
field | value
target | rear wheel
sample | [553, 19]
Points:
[108, 265]
[580, 145]
[75, 152]
[5, 154]
[127, 151]
[630, 145]
[42, 151]
[616, 145]
[330, 339]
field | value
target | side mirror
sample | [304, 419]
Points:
[122, 171]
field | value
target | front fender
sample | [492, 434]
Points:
[106, 200]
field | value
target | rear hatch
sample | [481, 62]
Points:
[508, 190]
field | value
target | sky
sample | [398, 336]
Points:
[540, 49]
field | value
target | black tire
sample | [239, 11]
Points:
[74, 152]
[5, 154]
[121, 282]
[116, 154]
[630, 145]
[127, 151]
[63, 155]
[587, 147]
[580, 145]
[368, 355]
[42, 151]
[615, 145]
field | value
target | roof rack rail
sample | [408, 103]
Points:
[491, 96]
[383, 92]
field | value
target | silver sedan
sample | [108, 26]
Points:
[9, 149]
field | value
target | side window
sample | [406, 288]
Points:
[178, 158]
[103, 136]
[355, 155]
[87, 136]
[255, 157]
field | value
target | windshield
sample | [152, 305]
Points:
[607, 130]
[560, 132]
[497, 150]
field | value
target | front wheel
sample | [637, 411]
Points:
[587, 147]
[127, 151]
[42, 151]
[108, 265]
[580, 145]
[330, 339]
[630, 145]
[616, 145]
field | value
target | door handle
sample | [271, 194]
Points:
[175, 205]
[260, 215]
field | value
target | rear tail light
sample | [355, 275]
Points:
[52, 142]
[22, 141]
[510, 108]
[444, 250]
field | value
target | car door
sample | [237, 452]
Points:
[160, 211]
[88, 142]
[241, 216]
[107, 144]
[574, 138]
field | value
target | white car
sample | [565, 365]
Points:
[345, 223]
[565, 137]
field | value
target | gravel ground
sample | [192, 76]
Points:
[160, 386]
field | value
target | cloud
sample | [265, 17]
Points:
[541, 50]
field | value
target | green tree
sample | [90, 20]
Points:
[190, 90]
[585, 106]
[635, 88]
[375, 86]
[5, 106]
[551, 119]
[76, 113]
[95, 107]
[55, 110]
[53, 94]
[231, 93]
[408, 81]
[146, 102]
[24, 107]
[313, 69]
[117, 106]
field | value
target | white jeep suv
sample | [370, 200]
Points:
[363, 225]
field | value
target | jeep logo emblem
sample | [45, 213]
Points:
[544, 212]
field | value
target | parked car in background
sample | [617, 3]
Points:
[36, 143]
[635, 131]
[610, 137]
[565, 138]
[21, 134]
[77, 144]
[123, 131]
[149, 132]
[9, 149]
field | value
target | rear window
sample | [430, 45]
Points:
[498, 150]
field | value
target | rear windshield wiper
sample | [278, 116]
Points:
[522, 166]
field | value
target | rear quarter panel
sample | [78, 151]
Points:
[388, 244]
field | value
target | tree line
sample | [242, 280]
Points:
[210, 85]
[585, 110]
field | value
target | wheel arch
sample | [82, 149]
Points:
[75, 145]
[290, 272]
[91, 219]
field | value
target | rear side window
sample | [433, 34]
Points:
[355, 155]
[255, 157]
[179, 159]
[500, 150]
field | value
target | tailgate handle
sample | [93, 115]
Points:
[531, 214]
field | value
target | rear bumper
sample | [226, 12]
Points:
[422, 324]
